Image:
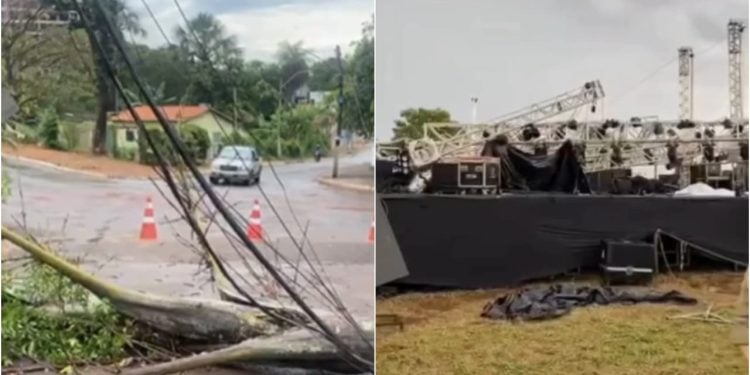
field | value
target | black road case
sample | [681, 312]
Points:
[628, 263]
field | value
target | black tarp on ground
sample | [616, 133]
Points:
[549, 302]
[558, 172]
[488, 241]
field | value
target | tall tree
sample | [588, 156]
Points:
[124, 20]
[410, 125]
[163, 67]
[257, 93]
[359, 89]
[205, 40]
[45, 66]
[294, 72]
[324, 75]
[214, 56]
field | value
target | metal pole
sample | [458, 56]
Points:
[278, 120]
[692, 84]
[337, 141]
[474, 104]
[234, 99]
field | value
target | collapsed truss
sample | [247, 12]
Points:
[605, 145]
[446, 139]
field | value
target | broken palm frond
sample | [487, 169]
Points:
[246, 334]
[707, 316]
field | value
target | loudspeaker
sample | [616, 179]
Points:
[628, 263]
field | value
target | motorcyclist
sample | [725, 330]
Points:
[318, 153]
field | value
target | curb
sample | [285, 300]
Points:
[346, 185]
[45, 164]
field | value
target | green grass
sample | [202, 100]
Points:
[445, 335]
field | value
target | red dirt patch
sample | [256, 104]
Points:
[103, 165]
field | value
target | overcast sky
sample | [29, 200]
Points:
[260, 25]
[512, 53]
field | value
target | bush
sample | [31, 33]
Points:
[160, 141]
[126, 153]
[195, 138]
[70, 135]
[235, 138]
[302, 129]
[99, 334]
[197, 141]
[49, 131]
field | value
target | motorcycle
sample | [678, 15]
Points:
[318, 155]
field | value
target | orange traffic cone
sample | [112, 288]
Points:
[254, 229]
[148, 227]
[371, 236]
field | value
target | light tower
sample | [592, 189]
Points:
[735, 28]
[474, 104]
[685, 75]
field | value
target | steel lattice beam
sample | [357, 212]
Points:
[735, 28]
[444, 139]
[685, 75]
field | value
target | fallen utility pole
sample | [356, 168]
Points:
[337, 141]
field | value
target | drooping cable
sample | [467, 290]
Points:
[181, 150]
[163, 165]
[338, 305]
[332, 296]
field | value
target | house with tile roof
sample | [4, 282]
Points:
[125, 131]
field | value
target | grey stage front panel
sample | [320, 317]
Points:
[390, 264]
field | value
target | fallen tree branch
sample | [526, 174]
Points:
[247, 335]
[175, 316]
[294, 349]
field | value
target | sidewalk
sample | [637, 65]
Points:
[356, 178]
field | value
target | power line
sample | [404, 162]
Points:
[158, 25]
[181, 150]
[658, 70]
[336, 299]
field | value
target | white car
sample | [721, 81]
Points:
[373, 157]
[236, 164]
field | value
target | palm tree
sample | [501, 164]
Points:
[292, 59]
[213, 44]
[213, 55]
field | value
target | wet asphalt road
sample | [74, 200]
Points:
[98, 221]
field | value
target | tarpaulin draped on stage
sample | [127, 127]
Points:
[485, 241]
[558, 172]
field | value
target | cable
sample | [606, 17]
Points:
[659, 69]
[162, 162]
[339, 306]
[335, 299]
[336, 303]
[153, 17]
[181, 149]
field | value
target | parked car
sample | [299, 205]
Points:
[236, 164]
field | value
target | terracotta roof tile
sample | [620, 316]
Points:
[174, 113]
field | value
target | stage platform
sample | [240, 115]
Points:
[491, 241]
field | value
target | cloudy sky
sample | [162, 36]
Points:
[512, 53]
[260, 25]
